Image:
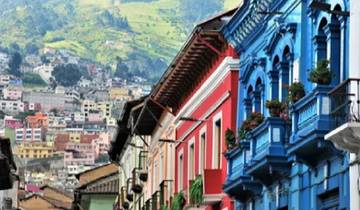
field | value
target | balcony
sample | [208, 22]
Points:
[269, 160]
[345, 111]
[238, 184]
[165, 192]
[212, 182]
[310, 122]
[155, 201]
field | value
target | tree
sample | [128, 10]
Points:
[67, 75]
[23, 115]
[44, 59]
[14, 64]
[33, 79]
[31, 48]
[122, 70]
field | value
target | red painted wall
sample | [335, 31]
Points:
[228, 109]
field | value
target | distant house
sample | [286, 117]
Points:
[50, 198]
[98, 188]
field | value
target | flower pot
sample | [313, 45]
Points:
[253, 124]
[143, 176]
[324, 81]
[129, 197]
[275, 111]
[137, 188]
[126, 205]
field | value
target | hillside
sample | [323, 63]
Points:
[146, 34]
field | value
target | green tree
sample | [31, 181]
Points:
[67, 75]
[14, 64]
[33, 79]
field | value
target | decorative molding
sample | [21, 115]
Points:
[214, 80]
[206, 115]
[279, 34]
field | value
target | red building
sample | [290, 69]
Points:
[200, 87]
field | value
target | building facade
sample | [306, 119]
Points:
[283, 161]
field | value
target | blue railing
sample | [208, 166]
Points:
[267, 136]
[237, 160]
[311, 113]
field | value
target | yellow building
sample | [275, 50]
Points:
[119, 93]
[75, 137]
[31, 150]
[103, 106]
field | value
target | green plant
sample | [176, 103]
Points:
[164, 207]
[255, 119]
[275, 107]
[196, 191]
[178, 201]
[321, 74]
[230, 139]
[296, 91]
[241, 133]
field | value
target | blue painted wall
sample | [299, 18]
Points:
[278, 49]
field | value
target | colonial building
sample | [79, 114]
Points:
[283, 161]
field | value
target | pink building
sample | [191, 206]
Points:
[12, 93]
[81, 153]
[11, 122]
[95, 116]
[103, 142]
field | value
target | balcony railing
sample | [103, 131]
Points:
[155, 201]
[311, 113]
[165, 192]
[268, 155]
[345, 102]
[311, 120]
[238, 183]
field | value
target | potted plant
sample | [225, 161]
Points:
[196, 191]
[321, 74]
[296, 91]
[178, 201]
[241, 133]
[230, 139]
[137, 188]
[164, 207]
[143, 175]
[275, 107]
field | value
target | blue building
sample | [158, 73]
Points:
[286, 163]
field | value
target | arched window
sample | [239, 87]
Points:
[284, 73]
[320, 41]
[333, 32]
[274, 78]
[258, 96]
[248, 101]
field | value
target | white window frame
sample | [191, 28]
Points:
[202, 166]
[189, 170]
[216, 118]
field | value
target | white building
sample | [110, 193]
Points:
[11, 106]
[44, 71]
[28, 134]
[347, 135]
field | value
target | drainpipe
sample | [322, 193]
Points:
[354, 72]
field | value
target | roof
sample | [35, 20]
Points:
[92, 175]
[195, 58]
[146, 116]
[35, 202]
[123, 130]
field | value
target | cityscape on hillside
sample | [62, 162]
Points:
[179, 105]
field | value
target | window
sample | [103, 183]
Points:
[191, 162]
[202, 152]
[217, 144]
[181, 172]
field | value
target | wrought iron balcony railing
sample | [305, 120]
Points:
[345, 102]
